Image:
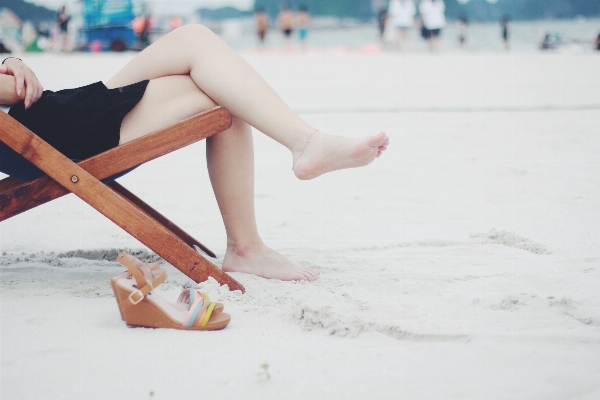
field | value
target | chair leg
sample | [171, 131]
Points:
[183, 235]
[9, 183]
[18, 198]
[142, 226]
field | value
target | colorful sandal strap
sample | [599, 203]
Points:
[200, 308]
[187, 296]
[207, 315]
[196, 305]
[205, 306]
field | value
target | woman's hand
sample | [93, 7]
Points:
[25, 80]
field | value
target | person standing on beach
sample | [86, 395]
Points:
[3, 49]
[402, 15]
[505, 32]
[303, 19]
[434, 20]
[262, 24]
[286, 25]
[461, 28]
[382, 20]
[62, 20]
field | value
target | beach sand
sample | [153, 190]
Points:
[463, 264]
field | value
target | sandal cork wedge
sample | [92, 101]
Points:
[140, 306]
[153, 267]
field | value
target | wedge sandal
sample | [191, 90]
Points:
[140, 306]
[153, 267]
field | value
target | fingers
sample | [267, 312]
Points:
[36, 86]
[29, 92]
[27, 84]
[33, 88]
[19, 80]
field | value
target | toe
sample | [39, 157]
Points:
[312, 274]
[378, 140]
[299, 277]
[311, 277]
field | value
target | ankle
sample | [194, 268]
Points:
[243, 249]
[298, 136]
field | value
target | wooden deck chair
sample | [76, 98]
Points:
[122, 207]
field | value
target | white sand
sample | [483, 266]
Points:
[463, 264]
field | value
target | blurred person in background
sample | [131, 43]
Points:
[303, 19]
[3, 48]
[137, 25]
[175, 22]
[262, 24]
[53, 34]
[286, 24]
[402, 13]
[145, 33]
[62, 20]
[598, 42]
[382, 20]
[142, 25]
[434, 20]
[504, 26]
[461, 30]
[551, 41]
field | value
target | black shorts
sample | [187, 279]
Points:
[287, 32]
[433, 33]
[80, 122]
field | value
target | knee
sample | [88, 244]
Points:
[239, 134]
[238, 125]
[238, 131]
[196, 31]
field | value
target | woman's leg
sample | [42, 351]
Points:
[170, 99]
[230, 157]
[231, 82]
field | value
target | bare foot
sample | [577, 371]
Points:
[326, 153]
[267, 263]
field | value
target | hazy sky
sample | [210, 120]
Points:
[165, 6]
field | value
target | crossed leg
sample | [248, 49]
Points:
[192, 70]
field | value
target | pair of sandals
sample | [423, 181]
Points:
[140, 306]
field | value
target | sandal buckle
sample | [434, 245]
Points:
[136, 301]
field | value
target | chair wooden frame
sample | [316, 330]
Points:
[112, 200]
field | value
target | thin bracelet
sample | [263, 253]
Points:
[3, 61]
[303, 147]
